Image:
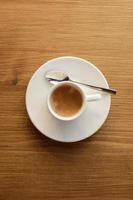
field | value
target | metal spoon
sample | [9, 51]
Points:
[62, 76]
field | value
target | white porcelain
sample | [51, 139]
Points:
[86, 98]
[88, 122]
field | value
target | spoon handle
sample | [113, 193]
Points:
[108, 90]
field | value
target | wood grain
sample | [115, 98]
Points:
[31, 165]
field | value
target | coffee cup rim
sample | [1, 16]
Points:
[63, 117]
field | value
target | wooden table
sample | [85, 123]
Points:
[33, 167]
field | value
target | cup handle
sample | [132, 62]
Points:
[93, 97]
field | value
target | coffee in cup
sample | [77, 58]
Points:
[66, 100]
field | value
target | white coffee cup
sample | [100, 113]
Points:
[85, 98]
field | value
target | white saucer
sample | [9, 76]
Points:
[90, 121]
